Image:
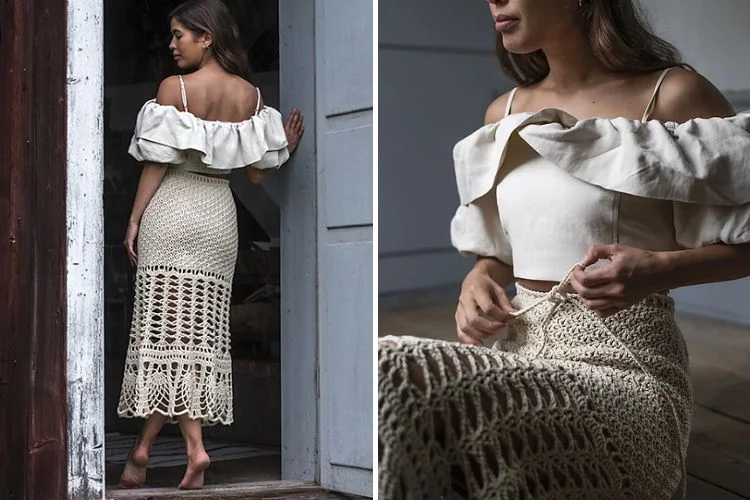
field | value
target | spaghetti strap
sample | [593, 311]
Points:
[650, 107]
[257, 104]
[510, 100]
[182, 92]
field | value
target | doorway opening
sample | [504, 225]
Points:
[136, 60]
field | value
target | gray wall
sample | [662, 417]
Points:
[437, 74]
[713, 37]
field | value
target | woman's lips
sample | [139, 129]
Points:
[503, 24]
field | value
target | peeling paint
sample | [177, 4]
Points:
[85, 218]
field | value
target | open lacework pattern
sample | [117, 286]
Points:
[569, 406]
[178, 360]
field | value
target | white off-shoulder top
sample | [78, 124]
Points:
[537, 189]
[164, 134]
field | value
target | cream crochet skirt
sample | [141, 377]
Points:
[567, 406]
[178, 359]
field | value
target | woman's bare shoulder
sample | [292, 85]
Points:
[496, 110]
[686, 94]
[169, 92]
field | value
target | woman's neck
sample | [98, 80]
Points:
[572, 65]
[209, 63]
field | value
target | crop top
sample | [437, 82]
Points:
[164, 134]
[537, 189]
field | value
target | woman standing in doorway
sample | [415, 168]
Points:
[609, 149]
[182, 233]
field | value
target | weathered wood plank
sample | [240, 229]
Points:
[719, 451]
[32, 252]
[85, 246]
[697, 489]
[15, 130]
[719, 364]
[46, 447]
[269, 489]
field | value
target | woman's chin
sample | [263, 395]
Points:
[183, 64]
[516, 45]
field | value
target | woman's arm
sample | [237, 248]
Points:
[483, 309]
[705, 265]
[152, 173]
[687, 95]
[633, 273]
[151, 177]
[496, 270]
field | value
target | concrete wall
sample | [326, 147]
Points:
[437, 74]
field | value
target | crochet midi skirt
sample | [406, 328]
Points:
[566, 406]
[178, 360]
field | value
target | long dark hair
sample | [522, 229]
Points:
[213, 17]
[619, 36]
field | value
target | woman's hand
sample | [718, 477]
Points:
[131, 235]
[483, 308]
[631, 276]
[294, 128]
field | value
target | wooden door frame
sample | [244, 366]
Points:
[32, 249]
[84, 332]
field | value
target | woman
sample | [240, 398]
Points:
[199, 128]
[609, 150]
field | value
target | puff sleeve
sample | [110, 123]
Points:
[476, 228]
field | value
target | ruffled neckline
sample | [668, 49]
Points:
[164, 134]
[702, 160]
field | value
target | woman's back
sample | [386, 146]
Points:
[218, 96]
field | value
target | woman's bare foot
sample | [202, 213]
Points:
[197, 465]
[134, 474]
